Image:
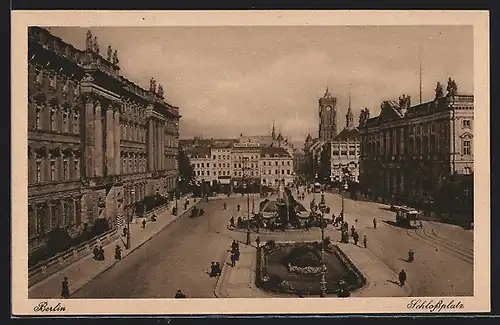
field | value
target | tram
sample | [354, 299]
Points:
[406, 216]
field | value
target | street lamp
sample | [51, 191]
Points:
[132, 193]
[176, 194]
[323, 266]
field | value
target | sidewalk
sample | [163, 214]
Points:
[239, 281]
[84, 270]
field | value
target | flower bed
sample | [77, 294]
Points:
[277, 273]
[307, 270]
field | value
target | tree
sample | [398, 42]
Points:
[186, 172]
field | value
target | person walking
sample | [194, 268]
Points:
[101, 254]
[238, 207]
[402, 278]
[257, 241]
[356, 238]
[65, 288]
[233, 259]
[143, 223]
[374, 223]
[364, 241]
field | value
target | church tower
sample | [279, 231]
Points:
[349, 117]
[273, 133]
[327, 116]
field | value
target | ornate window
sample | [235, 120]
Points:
[466, 124]
[38, 170]
[76, 167]
[466, 147]
[52, 118]
[65, 169]
[467, 170]
[52, 170]
[65, 125]
[76, 121]
[38, 118]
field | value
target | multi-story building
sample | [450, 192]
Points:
[340, 155]
[202, 163]
[412, 152]
[221, 163]
[97, 142]
[276, 167]
[245, 162]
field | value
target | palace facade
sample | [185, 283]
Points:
[97, 143]
[414, 152]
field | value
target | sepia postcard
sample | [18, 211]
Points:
[250, 162]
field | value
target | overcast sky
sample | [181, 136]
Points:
[232, 80]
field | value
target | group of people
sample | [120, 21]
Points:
[215, 269]
[98, 253]
[235, 252]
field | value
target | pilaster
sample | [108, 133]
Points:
[117, 136]
[110, 141]
[150, 146]
[98, 149]
[89, 137]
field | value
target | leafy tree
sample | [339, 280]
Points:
[186, 172]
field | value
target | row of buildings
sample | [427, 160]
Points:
[417, 154]
[97, 142]
[266, 160]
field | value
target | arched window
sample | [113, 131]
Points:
[38, 117]
[76, 121]
[52, 119]
[65, 119]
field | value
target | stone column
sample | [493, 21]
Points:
[49, 224]
[98, 155]
[150, 147]
[163, 146]
[63, 221]
[158, 145]
[117, 136]
[74, 205]
[89, 138]
[110, 141]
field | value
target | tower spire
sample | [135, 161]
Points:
[349, 117]
[273, 133]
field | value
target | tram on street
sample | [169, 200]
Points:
[406, 216]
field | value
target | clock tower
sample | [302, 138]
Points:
[327, 116]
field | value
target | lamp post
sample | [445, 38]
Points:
[323, 266]
[132, 193]
[177, 191]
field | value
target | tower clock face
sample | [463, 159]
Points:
[328, 108]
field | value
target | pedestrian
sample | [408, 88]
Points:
[374, 223]
[96, 253]
[353, 230]
[238, 207]
[180, 294]
[233, 246]
[225, 206]
[356, 238]
[118, 252]
[402, 277]
[421, 224]
[257, 241]
[233, 259]
[364, 241]
[143, 223]
[231, 221]
[101, 254]
[65, 288]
